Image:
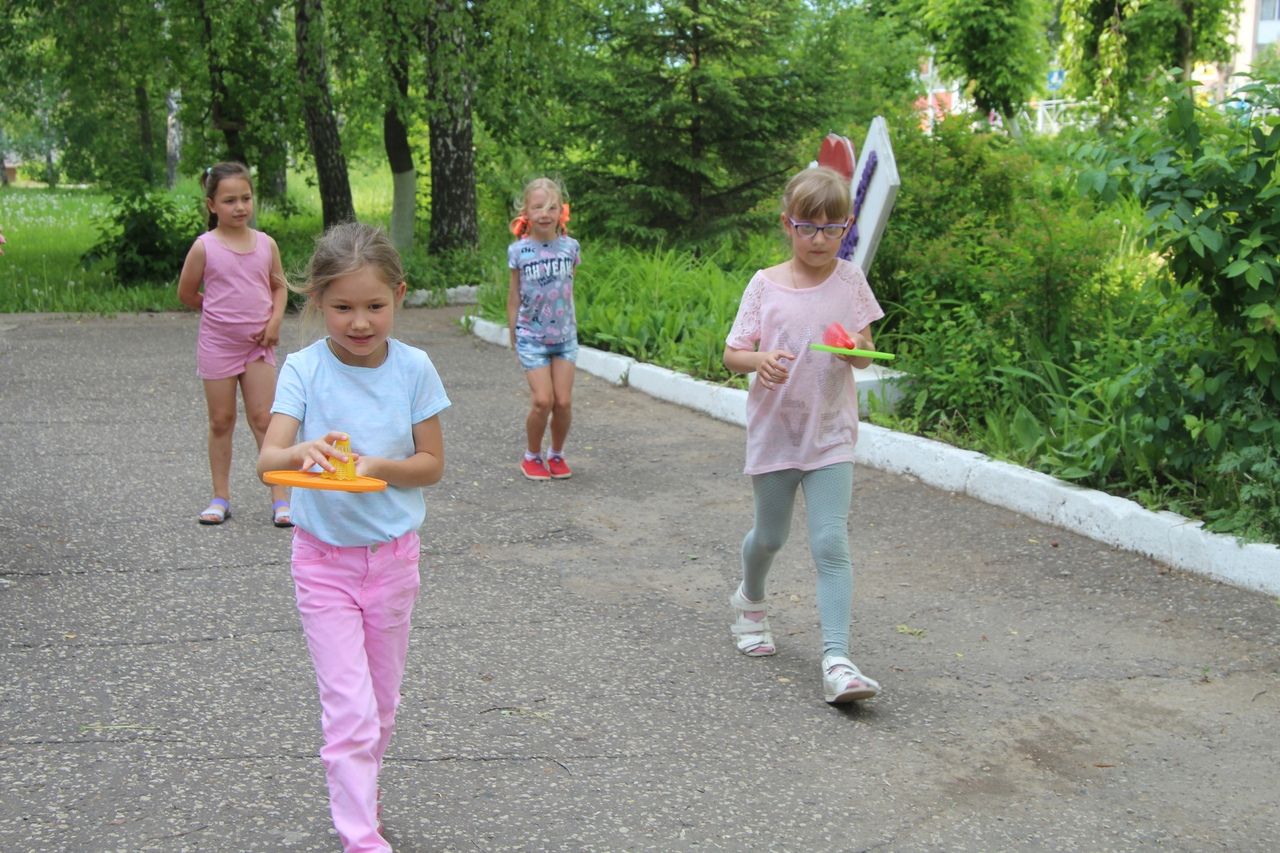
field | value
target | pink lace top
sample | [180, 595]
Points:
[810, 421]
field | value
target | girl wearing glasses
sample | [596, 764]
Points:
[802, 418]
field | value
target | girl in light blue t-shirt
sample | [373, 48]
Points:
[355, 556]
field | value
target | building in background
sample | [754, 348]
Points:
[1257, 31]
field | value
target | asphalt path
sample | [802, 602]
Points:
[572, 683]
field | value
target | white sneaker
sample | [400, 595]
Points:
[844, 682]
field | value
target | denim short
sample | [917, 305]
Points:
[535, 354]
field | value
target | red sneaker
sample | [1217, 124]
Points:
[534, 469]
[558, 468]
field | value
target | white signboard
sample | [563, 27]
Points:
[875, 188]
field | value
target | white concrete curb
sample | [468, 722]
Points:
[1163, 536]
[463, 294]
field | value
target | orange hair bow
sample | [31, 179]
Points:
[520, 225]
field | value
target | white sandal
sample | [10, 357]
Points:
[218, 511]
[753, 636]
[842, 681]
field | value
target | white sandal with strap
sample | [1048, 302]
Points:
[842, 681]
[751, 626]
[218, 511]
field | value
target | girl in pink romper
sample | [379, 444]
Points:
[234, 278]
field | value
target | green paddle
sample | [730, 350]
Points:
[861, 353]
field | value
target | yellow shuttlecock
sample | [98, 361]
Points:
[341, 470]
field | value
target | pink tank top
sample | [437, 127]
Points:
[237, 287]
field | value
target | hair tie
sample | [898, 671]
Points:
[564, 216]
[520, 226]
[208, 170]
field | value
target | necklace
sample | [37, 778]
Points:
[791, 272]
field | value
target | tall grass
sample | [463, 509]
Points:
[668, 306]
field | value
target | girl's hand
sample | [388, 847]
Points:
[270, 334]
[771, 371]
[860, 341]
[366, 465]
[317, 451]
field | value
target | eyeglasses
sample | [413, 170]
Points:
[810, 229]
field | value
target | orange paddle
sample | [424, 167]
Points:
[313, 480]
[343, 478]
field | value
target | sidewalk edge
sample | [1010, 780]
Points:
[1163, 536]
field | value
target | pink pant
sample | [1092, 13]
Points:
[355, 605]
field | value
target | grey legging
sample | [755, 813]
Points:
[827, 495]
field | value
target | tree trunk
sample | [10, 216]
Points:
[395, 137]
[696, 147]
[146, 137]
[50, 167]
[273, 174]
[222, 113]
[1187, 41]
[172, 139]
[404, 181]
[317, 112]
[449, 92]
[272, 149]
[1011, 121]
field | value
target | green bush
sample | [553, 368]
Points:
[671, 307]
[1208, 187]
[145, 238]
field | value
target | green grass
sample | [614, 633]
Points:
[49, 230]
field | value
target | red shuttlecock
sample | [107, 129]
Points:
[836, 336]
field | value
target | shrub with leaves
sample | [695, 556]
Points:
[145, 238]
[1212, 199]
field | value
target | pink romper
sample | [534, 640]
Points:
[237, 305]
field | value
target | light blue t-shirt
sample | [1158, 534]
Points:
[377, 407]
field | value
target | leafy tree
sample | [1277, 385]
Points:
[998, 46]
[238, 94]
[103, 70]
[500, 63]
[377, 48]
[98, 79]
[692, 111]
[27, 104]
[1113, 50]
